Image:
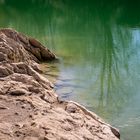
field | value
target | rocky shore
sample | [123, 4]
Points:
[29, 108]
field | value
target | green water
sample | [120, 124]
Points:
[98, 44]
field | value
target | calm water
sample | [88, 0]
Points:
[99, 47]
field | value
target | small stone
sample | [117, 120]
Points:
[71, 108]
[17, 92]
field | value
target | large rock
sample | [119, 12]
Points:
[17, 47]
[29, 108]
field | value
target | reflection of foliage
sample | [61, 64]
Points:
[54, 11]
[111, 70]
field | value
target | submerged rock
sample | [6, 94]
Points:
[29, 108]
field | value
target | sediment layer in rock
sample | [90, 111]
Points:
[29, 108]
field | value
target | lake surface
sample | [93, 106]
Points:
[99, 48]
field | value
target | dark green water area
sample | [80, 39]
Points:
[98, 43]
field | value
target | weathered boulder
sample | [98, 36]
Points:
[17, 47]
[29, 108]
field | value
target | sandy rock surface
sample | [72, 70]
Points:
[29, 108]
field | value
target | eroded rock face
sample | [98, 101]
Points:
[17, 47]
[29, 108]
